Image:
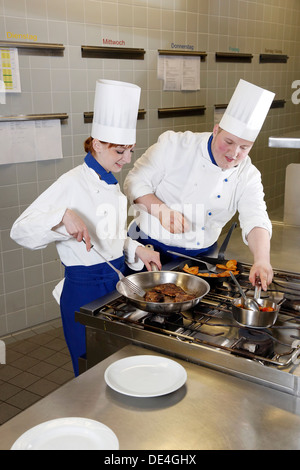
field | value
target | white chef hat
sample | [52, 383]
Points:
[246, 111]
[116, 108]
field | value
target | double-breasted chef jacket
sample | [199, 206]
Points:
[179, 170]
[103, 208]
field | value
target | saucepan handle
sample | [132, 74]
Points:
[221, 254]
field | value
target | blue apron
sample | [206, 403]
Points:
[162, 248]
[82, 285]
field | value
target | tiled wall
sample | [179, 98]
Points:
[66, 84]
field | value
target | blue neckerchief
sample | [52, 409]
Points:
[108, 177]
[209, 150]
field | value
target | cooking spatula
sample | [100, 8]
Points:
[133, 287]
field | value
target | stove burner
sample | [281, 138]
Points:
[170, 322]
[257, 342]
[201, 308]
[292, 302]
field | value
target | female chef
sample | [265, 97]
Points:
[189, 185]
[86, 205]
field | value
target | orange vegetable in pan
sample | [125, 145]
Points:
[230, 266]
[261, 309]
[221, 266]
[193, 269]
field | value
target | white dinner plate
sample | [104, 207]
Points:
[68, 434]
[145, 376]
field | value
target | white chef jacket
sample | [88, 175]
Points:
[179, 171]
[102, 207]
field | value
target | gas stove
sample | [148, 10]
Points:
[207, 334]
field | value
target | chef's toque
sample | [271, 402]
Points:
[246, 111]
[116, 108]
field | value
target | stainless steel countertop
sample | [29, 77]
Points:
[211, 411]
[285, 247]
[289, 140]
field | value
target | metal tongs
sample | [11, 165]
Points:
[250, 304]
[133, 287]
[257, 289]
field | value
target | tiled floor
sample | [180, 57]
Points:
[37, 362]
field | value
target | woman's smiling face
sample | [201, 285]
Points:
[112, 157]
[228, 150]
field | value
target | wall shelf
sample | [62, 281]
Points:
[233, 57]
[183, 111]
[202, 55]
[273, 58]
[112, 52]
[34, 46]
[278, 104]
[34, 117]
[220, 106]
[88, 115]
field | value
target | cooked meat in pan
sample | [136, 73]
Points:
[168, 289]
[153, 296]
[168, 292]
[183, 297]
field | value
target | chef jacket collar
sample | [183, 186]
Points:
[209, 150]
[106, 176]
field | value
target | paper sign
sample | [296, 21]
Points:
[172, 73]
[9, 70]
[27, 141]
[190, 73]
[179, 73]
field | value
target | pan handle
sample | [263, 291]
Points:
[221, 255]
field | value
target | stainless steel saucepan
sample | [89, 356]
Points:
[256, 318]
[147, 280]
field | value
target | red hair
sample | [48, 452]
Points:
[88, 145]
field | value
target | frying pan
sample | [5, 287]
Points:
[147, 280]
[219, 260]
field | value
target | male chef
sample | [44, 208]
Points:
[189, 185]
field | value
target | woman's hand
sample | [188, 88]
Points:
[148, 256]
[76, 227]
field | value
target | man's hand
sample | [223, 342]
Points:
[172, 220]
[259, 244]
[263, 271]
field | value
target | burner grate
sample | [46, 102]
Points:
[257, 342]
